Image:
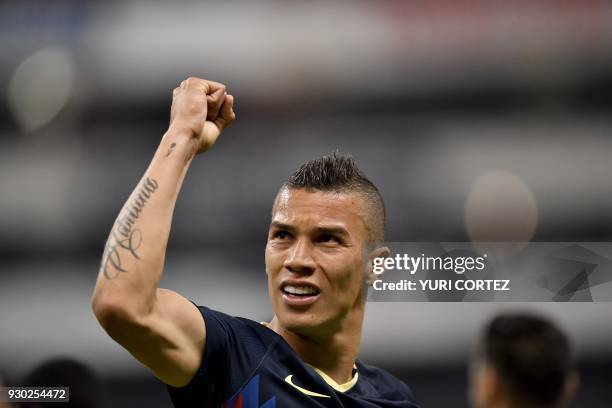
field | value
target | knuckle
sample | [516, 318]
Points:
[193, 81]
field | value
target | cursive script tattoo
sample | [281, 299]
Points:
[172, 146]
[124, 238]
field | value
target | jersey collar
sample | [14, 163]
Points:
[330, 381]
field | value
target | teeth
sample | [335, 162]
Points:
[300, 290]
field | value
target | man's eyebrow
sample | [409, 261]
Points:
[280, 225]
[323, 229]
[332, 230]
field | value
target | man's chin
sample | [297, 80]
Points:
[300, 322]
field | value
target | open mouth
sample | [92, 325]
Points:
[302, 290]
[299, 295]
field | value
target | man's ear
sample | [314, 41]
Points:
[379, 252]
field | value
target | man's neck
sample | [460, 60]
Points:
[334, 354]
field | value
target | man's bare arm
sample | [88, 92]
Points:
[162, 329]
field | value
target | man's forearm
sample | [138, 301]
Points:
[133, 258]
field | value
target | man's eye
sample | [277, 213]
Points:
[281, 234]
[328, 238]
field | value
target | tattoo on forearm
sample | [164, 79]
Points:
[170, 149]
[124, 236]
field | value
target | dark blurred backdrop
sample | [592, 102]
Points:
[454, 109]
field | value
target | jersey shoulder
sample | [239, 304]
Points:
[234, 348]
[238, 332]
[379, 383]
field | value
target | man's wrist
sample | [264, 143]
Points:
[179, 141]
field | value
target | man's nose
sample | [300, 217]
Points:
[299, 258]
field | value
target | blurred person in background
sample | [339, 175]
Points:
[327, 226]
[3, 404]
[86, 389]
[525, 361]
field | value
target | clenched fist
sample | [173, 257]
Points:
[203, 109]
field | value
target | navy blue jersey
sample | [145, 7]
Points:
[247, 365]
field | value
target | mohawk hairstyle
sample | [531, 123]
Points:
[339, 173]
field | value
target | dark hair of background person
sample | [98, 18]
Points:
[86, 388]
[531, 356]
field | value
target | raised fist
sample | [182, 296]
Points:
[203, 109]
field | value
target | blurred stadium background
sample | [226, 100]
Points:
[444, 104]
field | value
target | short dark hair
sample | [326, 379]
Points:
[86, 387]
[339, 173]
[532, 357]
